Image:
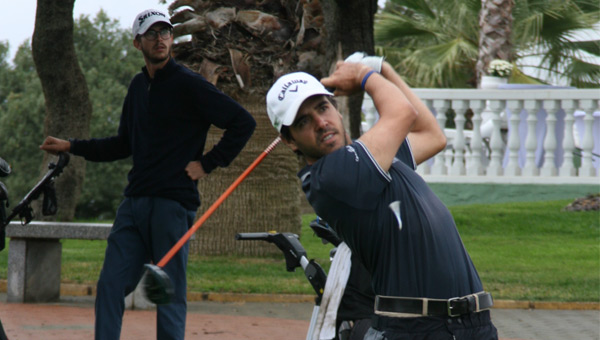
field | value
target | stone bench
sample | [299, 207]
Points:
[34, 259]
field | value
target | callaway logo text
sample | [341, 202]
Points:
[287, 85]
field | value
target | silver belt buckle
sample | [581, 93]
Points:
[450, 306]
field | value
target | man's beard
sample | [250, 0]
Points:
[154, 60]
[318, 152]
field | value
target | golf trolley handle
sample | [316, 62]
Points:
[295, 256]
[45, 186]
[287, 242]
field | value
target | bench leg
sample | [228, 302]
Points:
[33, 270]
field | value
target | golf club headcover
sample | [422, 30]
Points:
[157, 285]
[4, 168]
[373, 62]
[49, 204]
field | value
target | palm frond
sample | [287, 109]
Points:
[441, 65]
[583, 74]
[591, 47]
[419, 7]
[393, 27]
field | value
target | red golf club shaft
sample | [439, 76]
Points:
[215, 205]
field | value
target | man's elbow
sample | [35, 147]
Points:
[439, 141]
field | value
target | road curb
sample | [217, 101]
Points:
[71, 289]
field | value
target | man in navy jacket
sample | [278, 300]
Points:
[165, 120]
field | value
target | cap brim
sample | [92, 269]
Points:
[292, 111]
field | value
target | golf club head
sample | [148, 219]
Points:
[157, 285]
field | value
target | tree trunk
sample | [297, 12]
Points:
[495, 24]
[68, 108]
[268, 199]
[349, 25]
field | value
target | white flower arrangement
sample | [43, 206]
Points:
[500, 68]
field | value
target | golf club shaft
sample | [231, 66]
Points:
[215, 205]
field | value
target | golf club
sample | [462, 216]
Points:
[156, 283]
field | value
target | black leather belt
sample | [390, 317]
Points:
[412, 307]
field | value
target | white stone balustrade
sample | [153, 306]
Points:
[547, 135]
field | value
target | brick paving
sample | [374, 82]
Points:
[56, 322]
[73, 319]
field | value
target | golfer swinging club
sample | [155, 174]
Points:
[425, 283]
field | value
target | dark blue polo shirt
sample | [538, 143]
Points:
[426, 258]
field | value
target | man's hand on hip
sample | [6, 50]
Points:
[194, 170]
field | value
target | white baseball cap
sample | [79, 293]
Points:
[147, 18]
[287, 95]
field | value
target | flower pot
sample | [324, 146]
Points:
[491, 82]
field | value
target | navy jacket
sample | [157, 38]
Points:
[163, 127]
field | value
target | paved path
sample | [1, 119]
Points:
[73, 318]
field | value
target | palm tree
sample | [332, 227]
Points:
[434, 43]
[242, 47]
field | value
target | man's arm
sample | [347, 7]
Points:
[397, 114]
[237, 133]
[426, 137]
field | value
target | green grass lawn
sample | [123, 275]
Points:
[523, 251]
[533, 251]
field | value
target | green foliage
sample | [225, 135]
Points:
[109, 61]
[434, 43]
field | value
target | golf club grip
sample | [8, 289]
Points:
[252, 236]
[169, 255]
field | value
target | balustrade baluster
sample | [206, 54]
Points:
[458, 144]
[495, 166]
[530, 168]
[587, 144]
[549, 166]
[567, 168]
[474, 165]
[512, 167]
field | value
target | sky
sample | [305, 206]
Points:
[18, 20]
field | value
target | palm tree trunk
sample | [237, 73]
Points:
[495, 23]
[350, 26]
[268, 199]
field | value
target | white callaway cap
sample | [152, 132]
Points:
[147, 18]
[287, 95]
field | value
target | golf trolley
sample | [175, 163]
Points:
[44, 187]
[296, 256]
